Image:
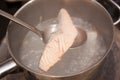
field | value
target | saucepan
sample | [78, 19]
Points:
[39, 13]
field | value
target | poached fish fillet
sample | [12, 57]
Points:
[60, 42]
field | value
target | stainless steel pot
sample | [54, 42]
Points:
[31, 12]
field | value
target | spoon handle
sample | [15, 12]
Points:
[11, 17]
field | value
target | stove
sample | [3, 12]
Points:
[110, 69]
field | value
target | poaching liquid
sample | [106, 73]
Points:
[75, 59]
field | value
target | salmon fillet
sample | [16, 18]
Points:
[59, 43]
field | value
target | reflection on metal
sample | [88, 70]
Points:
[7, 66]
[118, 21]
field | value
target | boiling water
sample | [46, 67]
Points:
[75, 60]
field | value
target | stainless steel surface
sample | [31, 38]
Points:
[6, 66]
[118, 21]
[49, 9]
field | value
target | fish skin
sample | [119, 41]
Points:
[59, 43]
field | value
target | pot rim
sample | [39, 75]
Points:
[51, 76]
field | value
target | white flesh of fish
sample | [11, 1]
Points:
[60, 42]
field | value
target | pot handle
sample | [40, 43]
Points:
[6, 67]
[117, 23]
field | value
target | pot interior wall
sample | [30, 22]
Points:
[41, 10]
